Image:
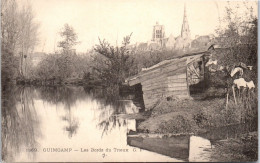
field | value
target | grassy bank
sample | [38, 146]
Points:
[174, 116]
[193, 116]
[241, 149]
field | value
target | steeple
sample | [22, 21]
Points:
[185, 30]
[185, 10]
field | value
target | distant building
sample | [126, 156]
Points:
[159, 41]
[182, 42]
[202, 41]
[142, 47]
[170, 44]
[158, 34]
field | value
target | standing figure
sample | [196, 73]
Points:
[242, 79]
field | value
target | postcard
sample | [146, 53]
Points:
[129, 81]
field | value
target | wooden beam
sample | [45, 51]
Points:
[163, 64]
[134, 81]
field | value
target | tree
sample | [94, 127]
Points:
[28, 37]
[9, 24]
[69, 38]
[116, 63]
[239, 36]
[19, 33]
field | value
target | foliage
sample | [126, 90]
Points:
[240, 37]
[9, 66]
[19, 128]
[201, 114]
[241, 149]
[63, 66]
[115, 64]
[69, 38]
[178, 124]
[66, 64]
[145, 59]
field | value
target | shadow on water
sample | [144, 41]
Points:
[20, 122]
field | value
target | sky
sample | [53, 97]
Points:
[114, 19]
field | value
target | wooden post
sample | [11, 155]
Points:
[203, 71]
[188, 88]
[233, 88]
[227, 100]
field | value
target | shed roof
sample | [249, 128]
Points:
[189, 58]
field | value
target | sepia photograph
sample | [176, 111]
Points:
[129, 81]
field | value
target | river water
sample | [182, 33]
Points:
[75, 124]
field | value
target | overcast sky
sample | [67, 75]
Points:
[114, 19]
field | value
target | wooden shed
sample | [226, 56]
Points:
[171, 78]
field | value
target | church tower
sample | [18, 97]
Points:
[158, 33]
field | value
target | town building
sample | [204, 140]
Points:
[182, 42]
[158, 34]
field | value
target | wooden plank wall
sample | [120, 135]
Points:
[163, 81]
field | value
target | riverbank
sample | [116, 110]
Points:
[196, 117]
[85, 82]
[57, 81]
[244, 148]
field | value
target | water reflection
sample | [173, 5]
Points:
[67, 117]
[61, 94]
[20, 122]
[108, 114]
[72, 123]
[108, 101]
[67, 96]
[111, 104]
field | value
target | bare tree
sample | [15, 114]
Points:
[27, 39]
[9, 24]
[19, 30]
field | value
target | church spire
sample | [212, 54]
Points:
[185, 10]
[185, 30]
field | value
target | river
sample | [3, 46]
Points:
[73, 124]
